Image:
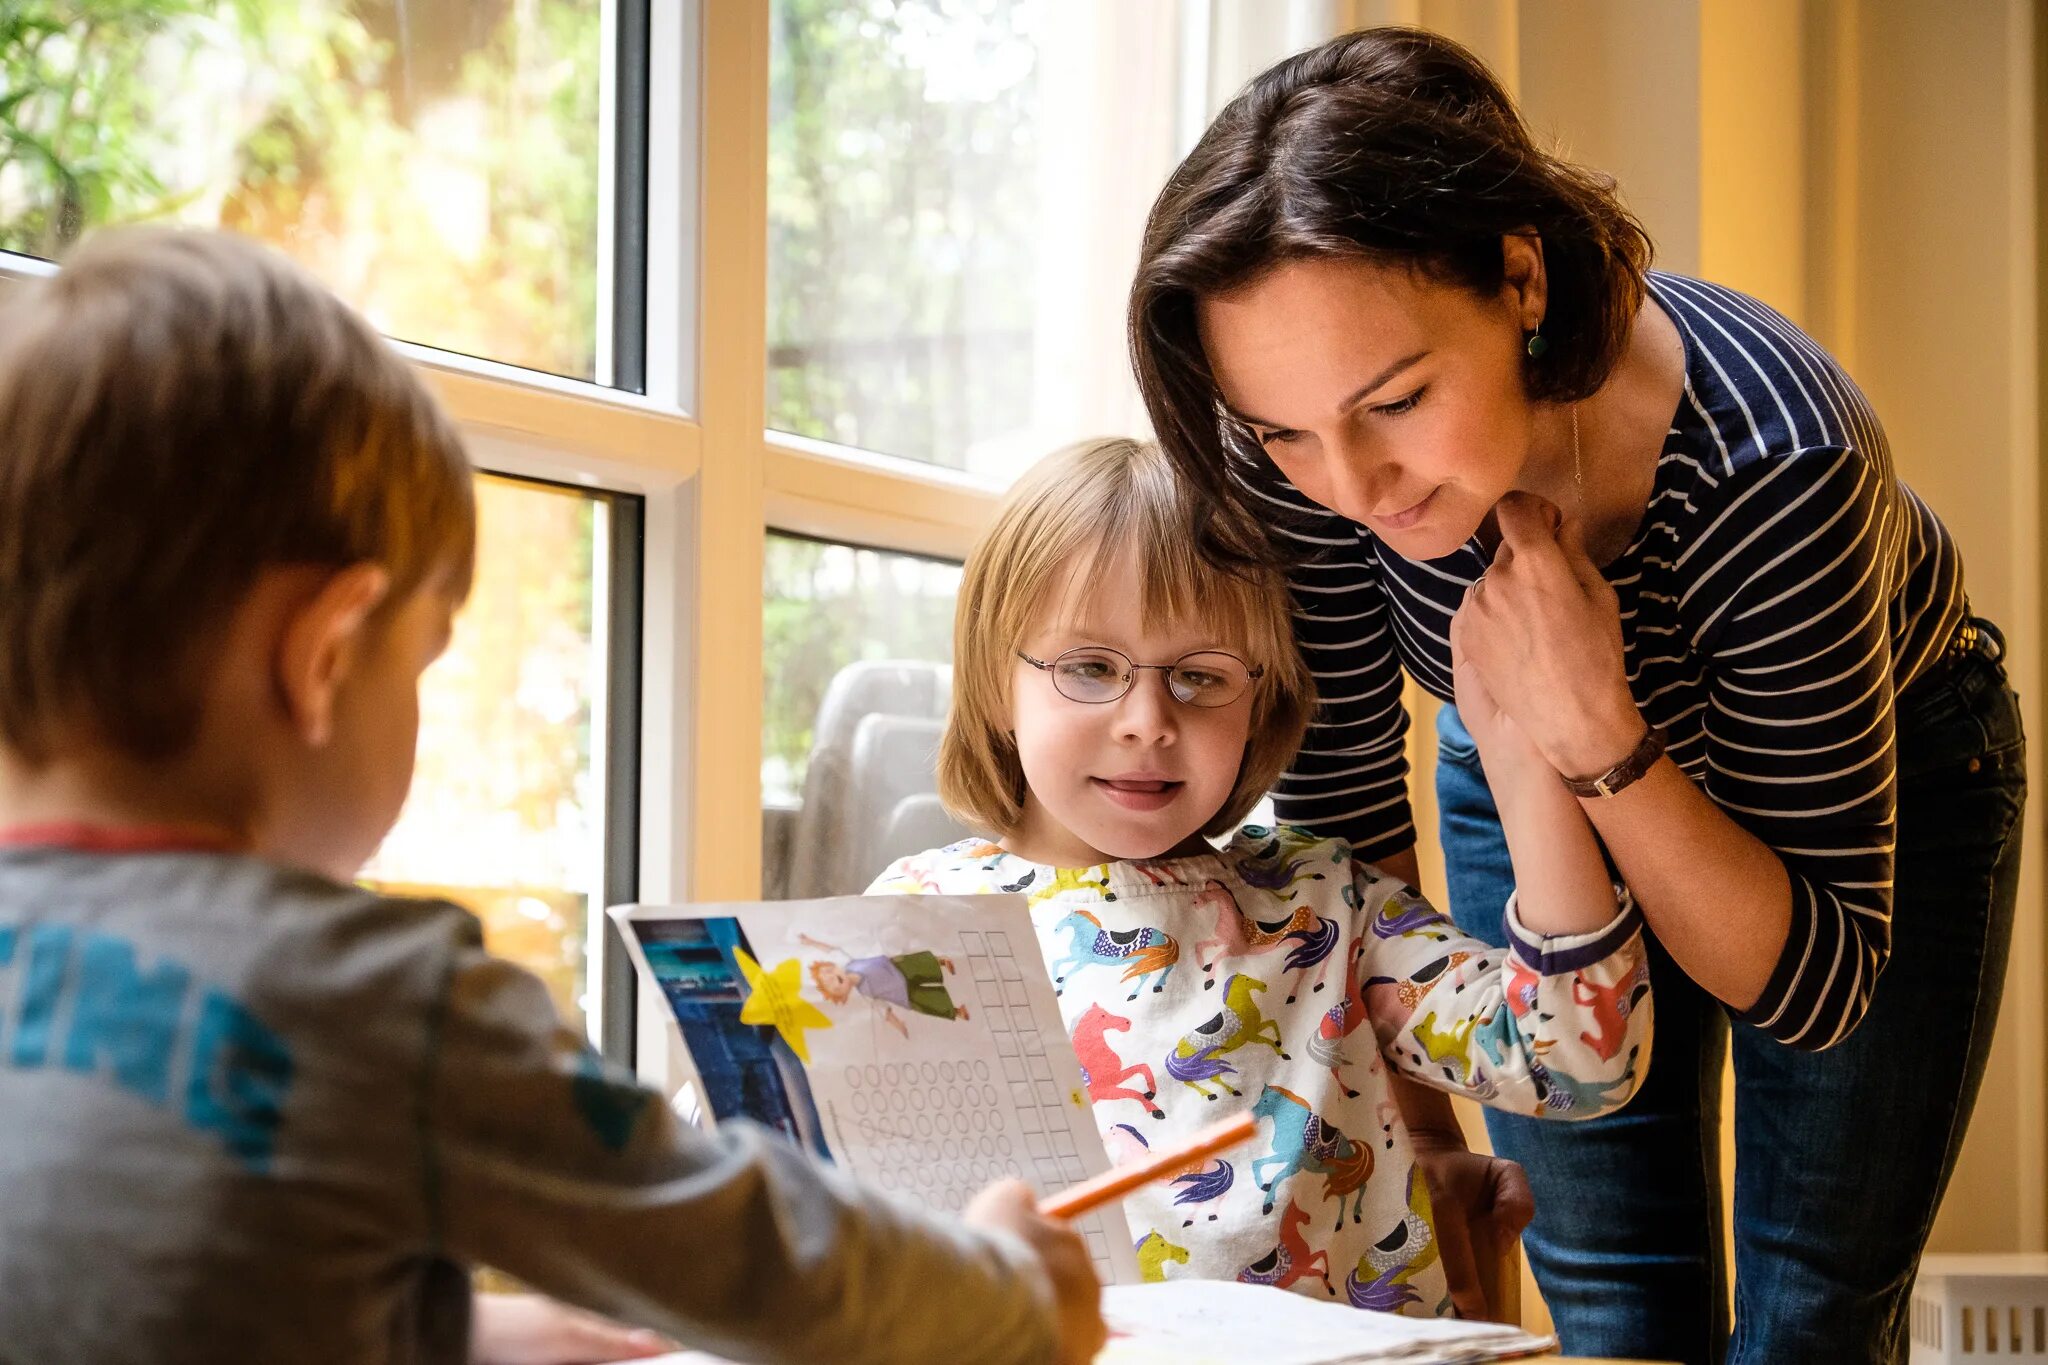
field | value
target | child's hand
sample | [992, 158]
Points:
[1481, 1204]
[1010, 1206]
[527, 1329]
[1503, 747]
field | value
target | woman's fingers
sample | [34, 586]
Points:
[1537, 535]
[1571, 538]
[1528, 524]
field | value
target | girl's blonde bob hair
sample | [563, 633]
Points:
[1073, 514]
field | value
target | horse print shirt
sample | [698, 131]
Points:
[1196, 987]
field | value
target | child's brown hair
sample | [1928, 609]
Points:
[178, 412]
[1066, 516]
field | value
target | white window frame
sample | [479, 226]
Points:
[696, 449]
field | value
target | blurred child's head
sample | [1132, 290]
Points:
[233, 529]
[1093, 556]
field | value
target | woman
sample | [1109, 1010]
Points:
[1661, 528]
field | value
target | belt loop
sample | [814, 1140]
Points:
[1993, 640]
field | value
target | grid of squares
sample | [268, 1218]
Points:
[938, 1129]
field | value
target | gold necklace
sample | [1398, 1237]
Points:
[1578, 469]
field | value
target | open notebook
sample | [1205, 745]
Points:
[916, 1041]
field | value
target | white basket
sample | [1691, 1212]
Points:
[1980, 1309]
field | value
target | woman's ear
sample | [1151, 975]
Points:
[322, 645]
[1523, 277]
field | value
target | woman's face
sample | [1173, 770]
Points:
[1385, 395]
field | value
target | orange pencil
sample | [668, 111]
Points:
[1076, 1200]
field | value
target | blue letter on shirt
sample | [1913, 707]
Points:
[49, 948]
[240, 1073]
[130, 1018]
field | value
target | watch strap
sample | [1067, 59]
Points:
[1623, 774]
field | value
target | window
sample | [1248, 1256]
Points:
[955, 195]
[950, 236]
[858, 646]
[942, 217]
[513, 793]
[436, 164]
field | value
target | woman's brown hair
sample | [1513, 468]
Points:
[1395, 146]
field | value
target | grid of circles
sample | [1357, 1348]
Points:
[934, 1129]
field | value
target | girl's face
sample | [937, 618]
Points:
[1132, 778]
[1384, 395]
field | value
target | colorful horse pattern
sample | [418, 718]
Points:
[1294, 946]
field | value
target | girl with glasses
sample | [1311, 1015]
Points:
[1119, 707]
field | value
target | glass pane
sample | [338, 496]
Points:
[956, 189]
[436, 164]
[506, 813]
[858, 648]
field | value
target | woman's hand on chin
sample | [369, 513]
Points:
[1541, 633]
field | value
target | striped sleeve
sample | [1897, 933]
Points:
[1788, 584]
[1350, 780]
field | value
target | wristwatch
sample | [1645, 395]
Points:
[1639, 761]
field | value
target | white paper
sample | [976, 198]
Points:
[927, 1032]
[1196, 1322]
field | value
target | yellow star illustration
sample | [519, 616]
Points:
[776, 998]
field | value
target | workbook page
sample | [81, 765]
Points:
[913, 1040]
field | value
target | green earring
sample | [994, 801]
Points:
[1538, 345]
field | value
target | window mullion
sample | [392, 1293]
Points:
[723, 820]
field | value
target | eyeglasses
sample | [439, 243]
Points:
[1096, 674]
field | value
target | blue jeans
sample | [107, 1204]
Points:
[1842, 1155]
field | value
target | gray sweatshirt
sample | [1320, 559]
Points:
[250, 1115]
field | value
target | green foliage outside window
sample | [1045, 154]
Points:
[436, 164]
[901, 204]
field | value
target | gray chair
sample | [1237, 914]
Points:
[869, 794]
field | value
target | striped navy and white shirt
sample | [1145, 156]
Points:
[1783, 587]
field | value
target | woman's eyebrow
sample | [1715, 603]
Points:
[1380, 380]
[1358, 395]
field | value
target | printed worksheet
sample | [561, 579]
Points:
[913, 1040]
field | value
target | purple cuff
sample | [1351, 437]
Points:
[1556, 954]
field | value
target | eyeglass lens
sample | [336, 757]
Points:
[1096, 675]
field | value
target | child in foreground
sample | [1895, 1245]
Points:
[1118, 703]
[249, 1111]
